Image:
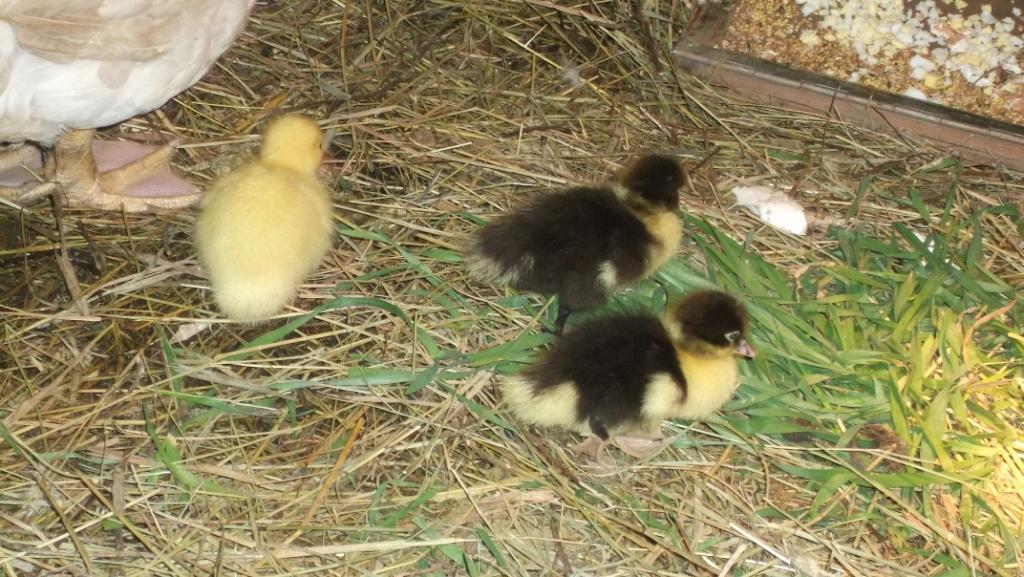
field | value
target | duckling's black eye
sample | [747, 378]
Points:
[732, 337]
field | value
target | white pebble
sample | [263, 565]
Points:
[810, 38]
[877, 29]
[915, 93]
[918, 61]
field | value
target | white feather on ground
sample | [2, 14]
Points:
[773, 206]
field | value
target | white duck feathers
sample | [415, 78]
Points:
[94, 63]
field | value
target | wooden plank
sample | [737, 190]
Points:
[971, 137]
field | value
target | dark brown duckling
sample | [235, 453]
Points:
[585, 243]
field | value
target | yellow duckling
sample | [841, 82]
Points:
[266, 226]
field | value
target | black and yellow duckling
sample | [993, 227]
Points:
[617, 377]
[585, 243]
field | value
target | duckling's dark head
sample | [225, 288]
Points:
[652, 181]
[710, 323]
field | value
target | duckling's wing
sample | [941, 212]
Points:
[534, 246]
[629, 245]
[611, 360]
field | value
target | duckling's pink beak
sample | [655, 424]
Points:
[326, 160]
[744, 349]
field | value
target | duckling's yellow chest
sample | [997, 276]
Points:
[667, 231]
[710, 382]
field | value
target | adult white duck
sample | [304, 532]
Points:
[70, 67]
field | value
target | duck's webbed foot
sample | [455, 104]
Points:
[119, 174]
[595, 447]
[25, 174]
[642, 446]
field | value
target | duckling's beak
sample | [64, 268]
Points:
[326, 160]
[744, 349]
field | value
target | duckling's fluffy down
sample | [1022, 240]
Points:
[606, 367]
[586, 242]
[264, 227]
[629, 371]
[581, 243]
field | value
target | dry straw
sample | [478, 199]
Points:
[360, 432]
